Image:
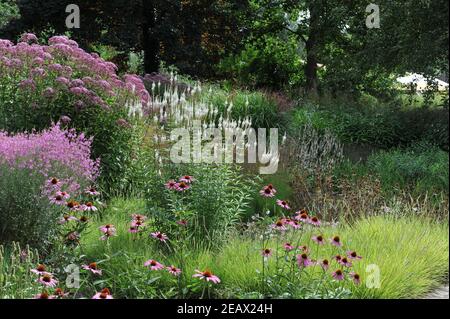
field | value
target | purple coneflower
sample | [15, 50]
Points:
[283, 204]
[338, 275]
[104, 294]
[187, 179]
[92, 191]
[266, 252]
[174, 270]
[43, 295]
[92, 267]
[153, 265]
[288, 247]
[47, 280]
[319, 239]
[59, 293]
[182, 186]
[303, 217]
[353, 255]
[59, 198]
[54, 183]
[314, 221]
[356, 278]
[207, 275]
[171, 185]
[279, 225]
[160, 236]
[336, 241]
[73, 205]
[325, 264]
[65, 219]
[304, 249]
[267, 192]
[39, 270]
[88, 207]
[345, 262]
[304, 261]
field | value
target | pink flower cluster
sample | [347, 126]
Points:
[50, 153]
[184, 183]
[63, 67]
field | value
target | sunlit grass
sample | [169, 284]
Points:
[411, 254]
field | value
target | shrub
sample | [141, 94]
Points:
[27, 163]
[41, 84]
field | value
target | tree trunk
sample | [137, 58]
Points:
[312, 81]
[150, 42]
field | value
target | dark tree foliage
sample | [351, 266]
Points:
[191, 34]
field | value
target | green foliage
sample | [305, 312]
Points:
[260, 108]
[406, 271]
[16, 279]
[423, 168]
[8, 11]
[380, 126]
[269, 62]
[26, 216]
[212, 206]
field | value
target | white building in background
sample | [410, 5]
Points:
[421, 82]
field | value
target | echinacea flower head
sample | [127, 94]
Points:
[283, 204]
[171, 185]
[92, 191]
[304, 249]
[39, 270]
[294, 224]
[73, 205]
[353, 255]
[304, 261]
[43, 295]
[314, 221]
[207, 275]
[338, 258]
[336, 241]
[160, 236]
[65, 219]
[182, 186]
[83, 219]
[279, 225]
[345, 262]
[73, 237]
[153, 265]
[88, 207]
[104, 294]
[108, 234]
[302, 216]
[325, 264]
[107, 228]
[267, 192]
[174, 270]
[92, 267]
[54, 183]
[139, 217]
[47, 280]
[59, 198]
[187, 179]
[356, 278]
[266, 252]
[59, 293]
[338, 275]
[319, 239]
[288, 247]
[137, 223]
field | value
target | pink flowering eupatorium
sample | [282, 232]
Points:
[53, 152]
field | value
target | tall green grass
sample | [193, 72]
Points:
[412, 255]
